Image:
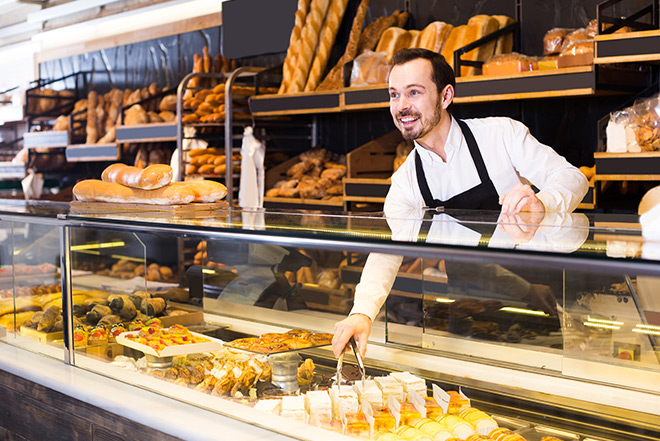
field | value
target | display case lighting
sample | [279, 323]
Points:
[651, 327]
[524, 311]
[602, 325]
[95, 246]
[444, 300]
[133, 259]
[605, 322]
[646, 331]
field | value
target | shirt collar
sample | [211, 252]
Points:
[453, 144]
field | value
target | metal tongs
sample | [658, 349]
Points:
[340, 362]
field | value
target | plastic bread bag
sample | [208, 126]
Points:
[577, 35]
[578, 53]
[504, 64]
[369, 68]
[647, 123]
[617, 141]
[553, 40]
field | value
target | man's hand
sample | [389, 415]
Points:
[521, 226]
[356, 325]
[541, 296]
[521, 198]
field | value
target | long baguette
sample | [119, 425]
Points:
[309, 39]
[150, 178]
[94, 190]
[92, 132]
[335, 78]
[327, 40]
[290, 59]
[373, 31]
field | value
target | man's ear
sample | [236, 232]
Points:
[447, 96]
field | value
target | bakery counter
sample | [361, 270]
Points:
[466, 308]
[74, 403]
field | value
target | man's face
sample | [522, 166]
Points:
[414, 100]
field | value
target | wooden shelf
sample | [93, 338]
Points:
[631, 47]
[155, 132]
[567, 82]
[644, 166]
[92, 152]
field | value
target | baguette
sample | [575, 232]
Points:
[434, 35]
[504, 44]
[335, 78]
[92, 132]
[306, 45]
[454, 41]
[478, 27]
[94, 190]
[113, 110]
[150, 178]
[290, 59]
[327, 40]
[203, 190]
[372, 33]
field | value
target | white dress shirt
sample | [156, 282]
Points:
[511, 156]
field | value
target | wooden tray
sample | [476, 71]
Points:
[96, 207]
[212, 345]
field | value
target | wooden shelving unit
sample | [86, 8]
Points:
[631, 47]
[643, 166]
[155, 132]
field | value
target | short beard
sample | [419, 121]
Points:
[424, 130]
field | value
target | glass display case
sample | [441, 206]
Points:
[550, 324]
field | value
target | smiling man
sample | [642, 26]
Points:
[482, 164]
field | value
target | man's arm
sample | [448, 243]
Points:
[561, 185]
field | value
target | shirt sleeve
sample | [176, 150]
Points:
[561, 185]
[376, 281]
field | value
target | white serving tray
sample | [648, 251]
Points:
[169, 351]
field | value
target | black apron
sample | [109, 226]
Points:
[483, 196]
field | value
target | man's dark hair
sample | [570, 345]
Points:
[442, 73]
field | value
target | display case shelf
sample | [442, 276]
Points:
[566, 82]
[156, 132]
[643, 166]
[92, 152]
[52, 138]
[631, 47]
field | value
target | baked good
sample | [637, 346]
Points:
[356, 425]
[136, 114]
[335, 78]
[203, 190]
[458, 426]
[504, 44]
[290, 59]
[478, 26]
[389, 387]
[92, 131]
[326, 41]
[294, 407]
[100, 191]
[433, 428]
[319, 407]
[548, 63]
[506, 64]
[410, 382]
[392, 40]
[553, 40]
[580, 34]
[307, 43]
[343, 398]
[369, 390]
[434, 35]
[150, 178]
[481, 421]
[580, 53]
[372, 33]
[454, 42]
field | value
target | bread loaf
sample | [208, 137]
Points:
[113, 110]
[454, 42]
[150, 178]
[507, 64]
[94, 190]
[372, 33]
[306, 45]
[414, 37]
[204, 190]
[478, 26]
[289, 61]
[504, 44]
[392, 40]
[168, 104]
[335, 78]
[326, 41]
[434, 35]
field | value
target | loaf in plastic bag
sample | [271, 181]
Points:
[553, 40]
[369, 68]
[636, 128]
[505, 64]
[579, 53]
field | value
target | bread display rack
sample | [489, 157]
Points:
[225, 130]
